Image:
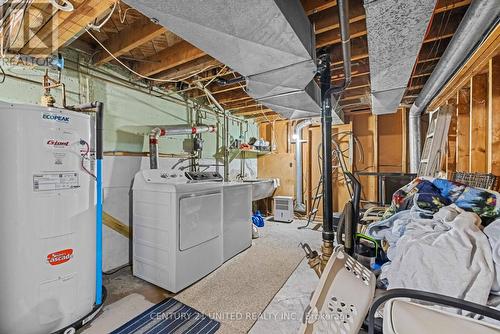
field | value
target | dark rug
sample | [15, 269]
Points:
[170, 316]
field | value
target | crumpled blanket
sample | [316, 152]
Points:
[492, 231]
[447, 254]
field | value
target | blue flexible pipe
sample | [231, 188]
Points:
[99, 120]
[98, 227]
[98, 244]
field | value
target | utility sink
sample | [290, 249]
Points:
[262, 188]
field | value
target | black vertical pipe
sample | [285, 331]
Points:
[326, 125]
[326, 115]
[99, 129]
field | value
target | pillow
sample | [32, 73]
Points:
[449, 189]
[429, 197]
[485, 203]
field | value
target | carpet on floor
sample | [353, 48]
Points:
[237, 293]
[169, 317]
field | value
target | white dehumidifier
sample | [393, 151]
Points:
[283, 209]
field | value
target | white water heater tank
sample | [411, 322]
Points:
[47, 219]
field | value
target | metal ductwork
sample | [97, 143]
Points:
[299, 200]
[173, 130]
[480, 17]
[269, 42]
[396, 30]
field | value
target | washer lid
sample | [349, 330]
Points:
[164, 180]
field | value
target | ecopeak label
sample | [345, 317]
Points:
[55, 117]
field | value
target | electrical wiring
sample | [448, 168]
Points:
[122, 19]
[7, 43]
[98, 27]
[84, 156]
[216, 76]
[3, 75]
[114, 271]
[124, 65]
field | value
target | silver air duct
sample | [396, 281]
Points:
[171, 131]
[394, 25]
[477, 22]
[299, 201]
[269, 42]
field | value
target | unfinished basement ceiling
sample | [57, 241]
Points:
[155, 51]
[269, 42]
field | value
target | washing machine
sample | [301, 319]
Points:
[177, 227]
[237, 218]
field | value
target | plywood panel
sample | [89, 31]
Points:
[479, 123]
[451, 156]
[279, 165]
[314, 167]
[390, 141]
[494, 116]
[340, 193]
[463, 129]
[365, 129]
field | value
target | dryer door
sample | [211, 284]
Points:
[200, 218]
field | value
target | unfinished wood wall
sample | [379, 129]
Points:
[475, 142]
[474, 136]
[382, 148]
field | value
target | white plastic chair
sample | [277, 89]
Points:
[403, 316]
[342, 298]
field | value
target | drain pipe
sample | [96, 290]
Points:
[480, 17]
[299, 201]
[156, 133]
[326, 122]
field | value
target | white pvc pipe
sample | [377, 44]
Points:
[299, 201]
[172, 131]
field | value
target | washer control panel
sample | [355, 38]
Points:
[203, 176]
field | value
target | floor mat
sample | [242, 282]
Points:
[238, 292]
[169, 317]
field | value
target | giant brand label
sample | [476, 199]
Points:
[60, 257]
[55, 117]
[57, 143]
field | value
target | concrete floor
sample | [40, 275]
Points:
[264, 289]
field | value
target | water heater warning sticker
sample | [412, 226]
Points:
[55, 181]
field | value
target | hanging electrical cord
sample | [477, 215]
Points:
[3, 75]
[24, 7]
[96, 26]
[84, 157]
[124, 65]
[122, 19]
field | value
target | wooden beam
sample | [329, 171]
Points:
[183, 71]
[64, 26]
[315, 6]
[451, 156]
[329, 19]
[356, 29]
[133, 36]
[478, 123]
[271, 118]
[169, 58]
[116, 225]
[494, 115]
[445, 5]
[252, 111]
[463, 129]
